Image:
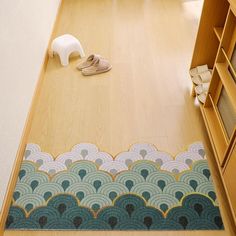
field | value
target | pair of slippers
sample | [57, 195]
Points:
[94, 64]
[201, 77]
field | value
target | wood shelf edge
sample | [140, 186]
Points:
[218, 32]
[220, 169]
[210, 135]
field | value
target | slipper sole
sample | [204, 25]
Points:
[97, 72]
[202, 98]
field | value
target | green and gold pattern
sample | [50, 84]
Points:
[142, 189]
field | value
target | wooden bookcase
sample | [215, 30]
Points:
[216, 46]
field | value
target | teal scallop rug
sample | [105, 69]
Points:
[141, 189]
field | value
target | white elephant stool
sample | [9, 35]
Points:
[64, 45]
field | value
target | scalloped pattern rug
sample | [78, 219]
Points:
[141, 189]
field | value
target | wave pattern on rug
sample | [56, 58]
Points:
[142, 189]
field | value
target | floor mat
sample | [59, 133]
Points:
[141, 189]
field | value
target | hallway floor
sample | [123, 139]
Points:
[144, 98]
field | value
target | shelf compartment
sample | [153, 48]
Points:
[218, 32]
[229, 29]
[207, 44]
[215, 133]
[227, 81]
[220, 122]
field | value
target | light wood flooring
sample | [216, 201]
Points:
[144, 98]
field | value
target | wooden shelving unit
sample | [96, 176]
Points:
[216, 46]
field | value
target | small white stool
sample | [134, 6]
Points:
[64, 45]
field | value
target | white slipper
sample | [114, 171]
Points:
[202, 97]
[199, 70]
[202, 88]
[205, 77]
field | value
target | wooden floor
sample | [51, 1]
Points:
[144, 98]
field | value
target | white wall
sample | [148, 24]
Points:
[25, 29]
